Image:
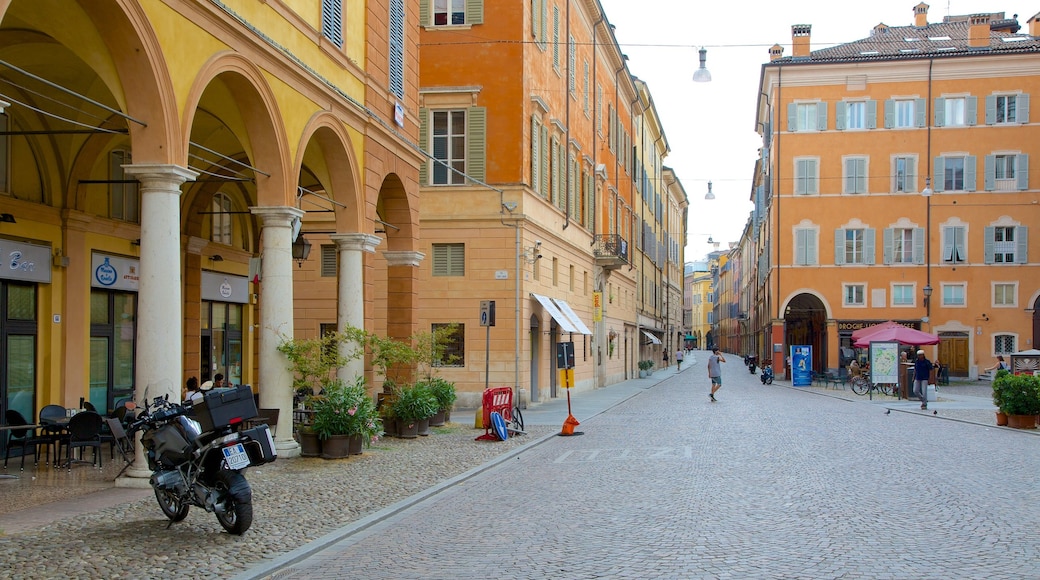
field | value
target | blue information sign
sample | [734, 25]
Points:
[801, 365]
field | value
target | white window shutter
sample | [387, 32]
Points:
[868, 246]
[871, 114]
[1022, 171]
[919, 245]
[1022, 108]
[839, 246]
[991, 109]
[1022, 245]
[989, 172]
[988, 244]
[888, 242]
[969, 173]
[890, 113]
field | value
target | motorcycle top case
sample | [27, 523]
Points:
[222, 407]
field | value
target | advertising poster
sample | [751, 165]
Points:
[884, 363]
[801, 365]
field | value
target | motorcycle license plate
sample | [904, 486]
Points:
[236, 456]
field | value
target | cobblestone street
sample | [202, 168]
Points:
[769, 482]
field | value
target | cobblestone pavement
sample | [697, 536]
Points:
[766, 483]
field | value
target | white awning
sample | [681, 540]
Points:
[572, 316]
[550, 307]
[652, 338]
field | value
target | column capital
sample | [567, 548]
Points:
[358, 242]
[276, 215]
[175, 174]
[403, 258]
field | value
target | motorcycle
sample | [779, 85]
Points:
[750, 361]
[200, 461]
[767, 375]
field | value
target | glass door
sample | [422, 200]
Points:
[221, 342]
[18, 348]
[113, 331]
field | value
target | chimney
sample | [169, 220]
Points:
[776, 51]
[921, 15]
[800, 34]
[1034, 26]
[978, 31]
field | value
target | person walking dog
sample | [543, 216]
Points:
[715, 371]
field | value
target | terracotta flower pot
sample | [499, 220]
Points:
[1022, 421]
[1002, 419]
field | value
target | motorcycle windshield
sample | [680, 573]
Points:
[192, 428]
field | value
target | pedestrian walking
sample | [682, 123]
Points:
[715, 371]
[922, 370]
[678, 359]
[664, 356]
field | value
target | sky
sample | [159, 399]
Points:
[710, 127]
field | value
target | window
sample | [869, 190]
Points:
[954, 249]
[902, 295]
[332, 21]
[539, 12]
[805, 247]
[123, 196]
[955, 111]
[458, 143]
[449, 12]
[955, 173]
[904, 113]
[852, 115]
[855, 115]
[396, 55]
[449, 259]
[854, 295]
[807, 117]
[1006, 245]
[1007, 109]
[1004, 294]
[904, 246]
[854, 246]
[454, 352]
[572, 57]
[1004, 344]
[953, 295]
[806, 176]
[220, 219]
[1006, 172]
[904, 173]
[328, 260]
[855, 175]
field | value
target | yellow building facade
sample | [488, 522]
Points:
[896, 184]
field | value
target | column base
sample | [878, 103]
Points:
[135, 478]
[287, 448]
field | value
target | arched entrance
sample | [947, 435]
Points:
[536, 345]
[805, 322]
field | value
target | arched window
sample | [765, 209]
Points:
[220, 219]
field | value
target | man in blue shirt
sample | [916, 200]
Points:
[922, 370]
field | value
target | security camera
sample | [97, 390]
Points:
[538, 257]
[537, 243]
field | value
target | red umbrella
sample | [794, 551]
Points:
[900, 334]
[858, 334]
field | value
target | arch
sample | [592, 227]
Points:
[800, 291]
[805, 322]
[339, 165]
[394, 207]
[252, 121]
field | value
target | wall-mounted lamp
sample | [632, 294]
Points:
[3, 106]
[6, 217]
[927, 191]
[927, 292]
[216, 258]
[709, 195]
[710, 240]
[701, 75]
[301, 248]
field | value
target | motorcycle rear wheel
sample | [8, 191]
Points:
[237, 515]
[170, 505]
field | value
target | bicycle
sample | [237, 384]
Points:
[516, 422]
[861, 386]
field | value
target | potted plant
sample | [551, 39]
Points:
[412, 405]
[998, 399]
[1020, 399]
[444, 392]
[644, 368]
[346, 419]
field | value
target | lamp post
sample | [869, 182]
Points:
[927, 194]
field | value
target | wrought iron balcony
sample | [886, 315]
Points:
[611, 251]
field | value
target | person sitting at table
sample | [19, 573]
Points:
[193, 393]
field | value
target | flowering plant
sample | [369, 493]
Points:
[346, 410]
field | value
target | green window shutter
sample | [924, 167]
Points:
[921, 112]
[840, 110]
[821, 116]
[474, 11]
[839, 246]
[988, 244]
[545, 162]
[871, 114]
[424, 12]
[991, 109]
[792, 117]
[536, 155]
[969, 173]
[424, 142]
[989, 171]
[888, 242]
[799, 247]
[476, 141]
[1022, 171]
[918, 245]
[868, 246]
[940, 112]
[449, 259]
[911, 173]
[1022, 245]
[544, 21]
[971, 111]
[1022, 108]
[939, 183]
[949, 234]
[890, 113]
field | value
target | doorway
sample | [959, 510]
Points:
[536, 345]
[113, 333]
[805, 322]
[953, 352]
[221, 347]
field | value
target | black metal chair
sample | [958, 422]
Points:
[51, 432]
[23, 438]
[121, 441]
[84, 430]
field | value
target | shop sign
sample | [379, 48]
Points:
[220, 287]
[115, 272]
[25, 262]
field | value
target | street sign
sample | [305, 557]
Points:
[565, 355]
[487, 312]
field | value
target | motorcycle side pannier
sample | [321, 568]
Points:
[259, 445]
[222, 407]
[170, 443]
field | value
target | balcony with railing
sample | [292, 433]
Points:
[611, 251]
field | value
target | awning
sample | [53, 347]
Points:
[653, 339]
[553, 311]
[572, 316]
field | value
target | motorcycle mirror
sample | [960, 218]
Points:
[130, 405]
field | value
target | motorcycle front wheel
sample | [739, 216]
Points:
[237, 515]
[171, 505]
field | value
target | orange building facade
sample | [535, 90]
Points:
[896, 183]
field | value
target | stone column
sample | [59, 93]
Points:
[351, 295]
[276, 319]
[158, 364]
